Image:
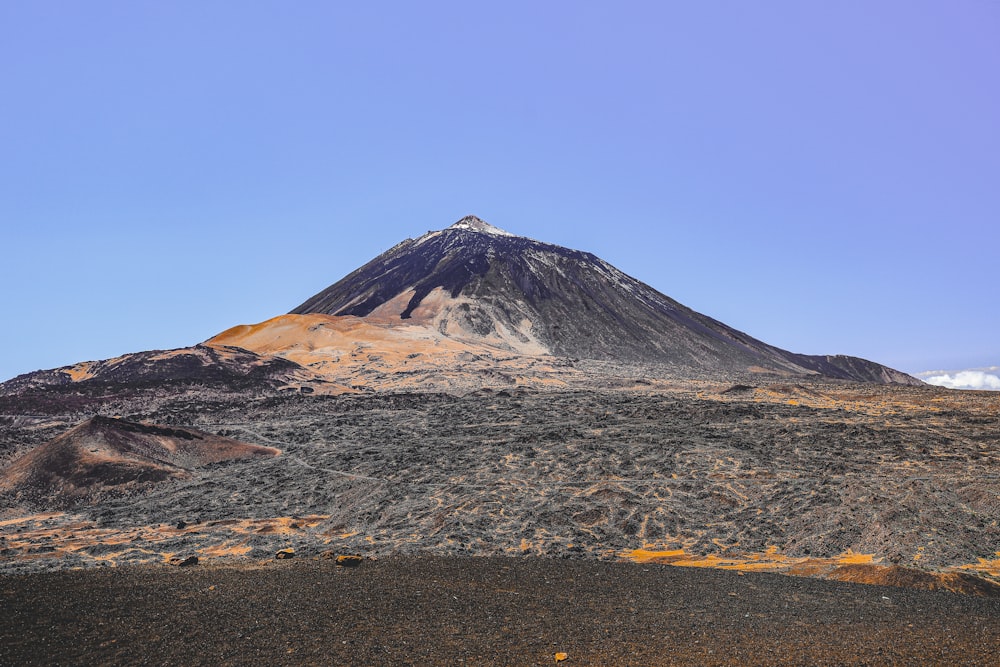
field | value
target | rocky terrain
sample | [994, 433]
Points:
[105, 458]
[787, 477]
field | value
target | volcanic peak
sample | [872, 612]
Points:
[474, 282]
[472, 223]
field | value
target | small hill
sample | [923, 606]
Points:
[203, 365]
[106, 457]
[905, 577]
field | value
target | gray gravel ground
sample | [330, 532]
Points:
[480, 611]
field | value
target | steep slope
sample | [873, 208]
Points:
[475, 282]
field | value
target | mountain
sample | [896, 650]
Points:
[475, 282]
[467, 307]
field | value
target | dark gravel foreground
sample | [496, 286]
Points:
[485, 611]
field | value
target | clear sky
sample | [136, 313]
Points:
[822, 176]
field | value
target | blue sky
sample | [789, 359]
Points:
[823, 176]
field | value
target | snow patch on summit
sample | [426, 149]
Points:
[474, 224]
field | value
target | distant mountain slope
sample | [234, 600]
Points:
[475, 282]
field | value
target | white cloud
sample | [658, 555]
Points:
[974, 378]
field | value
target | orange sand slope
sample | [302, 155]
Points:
[318, 340]
[384, 354]
[848, 566]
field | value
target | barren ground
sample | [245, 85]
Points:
[481, 611]
[778, 477]
[573, 500]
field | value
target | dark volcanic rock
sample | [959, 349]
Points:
[349, 560]
[230, 368]
[906, 474]
[854, 368]
[180, 561]
[474, 281]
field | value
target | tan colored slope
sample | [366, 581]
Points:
[463, 319]
[381, 354]
[314, 339]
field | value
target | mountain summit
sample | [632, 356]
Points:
[473, 223]
[478, 283]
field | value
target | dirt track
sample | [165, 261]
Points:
[485, 611]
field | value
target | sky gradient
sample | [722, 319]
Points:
[824, 177]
